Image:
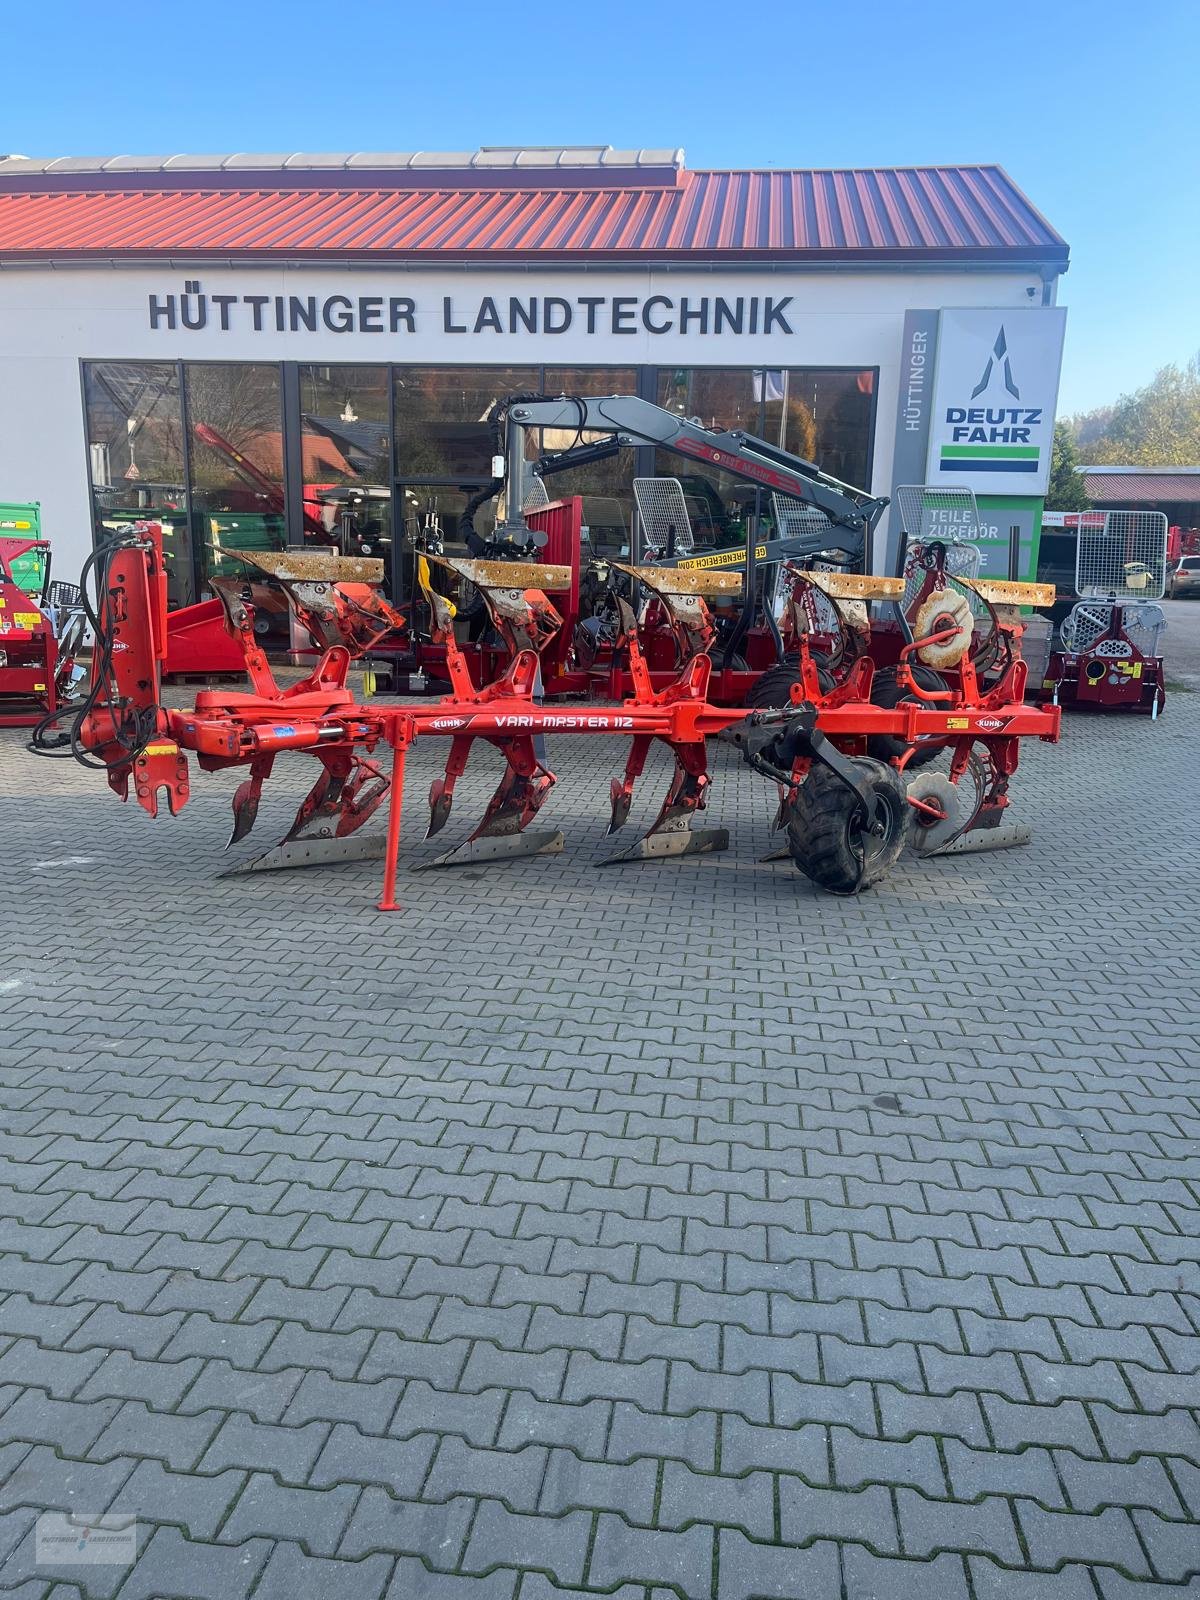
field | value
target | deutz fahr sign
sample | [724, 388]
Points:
[995, 390]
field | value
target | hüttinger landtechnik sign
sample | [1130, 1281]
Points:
[991, 423]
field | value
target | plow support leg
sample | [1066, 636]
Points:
[519, 797]
[671, 833]
[346, 795]
[245, 801]
[441, 794]
[622, 788]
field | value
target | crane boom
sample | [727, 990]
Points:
[630, 421]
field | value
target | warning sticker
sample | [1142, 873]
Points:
[161, 749]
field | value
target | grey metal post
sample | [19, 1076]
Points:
[514, 525]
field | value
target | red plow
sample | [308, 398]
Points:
[846, 811]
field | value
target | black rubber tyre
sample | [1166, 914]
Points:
[825, 828]
[886, 692]
[737, 663]
[772, 692]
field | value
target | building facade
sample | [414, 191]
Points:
[1175, 491]
[270, 350]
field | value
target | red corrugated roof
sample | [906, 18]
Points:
[1136, 488]
[974, 213]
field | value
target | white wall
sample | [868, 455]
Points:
[52, 318]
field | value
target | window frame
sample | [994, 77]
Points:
[646, 386]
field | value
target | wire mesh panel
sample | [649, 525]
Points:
[944, 514]
[938, 511]
[795, 520]
[664, 515]
[537, 496]
[1143, 623]
[1124, 559]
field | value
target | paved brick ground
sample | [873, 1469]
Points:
[658, 1231]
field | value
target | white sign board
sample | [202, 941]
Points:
[996, 388]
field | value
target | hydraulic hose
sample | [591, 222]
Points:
[132, 728]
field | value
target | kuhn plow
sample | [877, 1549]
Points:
[847, 812]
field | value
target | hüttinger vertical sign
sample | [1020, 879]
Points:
[996, 387]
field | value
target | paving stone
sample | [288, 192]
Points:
[557, 1544]
[317, 1518]
[865, 1515]
[870, 1577]
[339, 1354]
[992, 1582]
[542, 1372]
[753, 1571]
[242, 1442]
[1064, 1423]
[793, 1403]
[435, 1532]
[1172, 1546]
[842, 1362]
[63, 1373]
[536, 1586]
[1022, 1472]
[40, 1477]
[682, 1560]
[292, 1575]
[70, 1425]
[411, 1579]
[748, 1393]
[171, 1566]
[581, 1428]
[746, 1502]
[958, 1416]
[391, 1356]
[803, 1450]
[636, 1433]
[643, 1382]
[349, 1456]
[1108, 1538]
[858, 1461]
[202, 1335]
[1092, 1485]
[629, 1489]
[195, 1500]
[263, 1395]
[423, 1409]
[929, 1526]
[514, 1476]
[136, 1430]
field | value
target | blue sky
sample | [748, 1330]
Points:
[1090, 107]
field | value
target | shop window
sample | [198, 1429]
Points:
[135, 456]
[719, 397]
[821, 415]
[443, 434]
[347, 446]
[825, 417]
[236, 449]
[606, 486]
